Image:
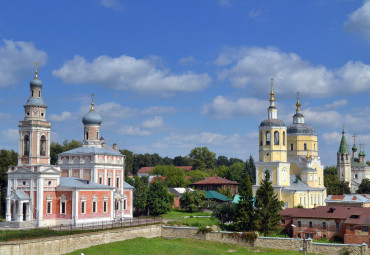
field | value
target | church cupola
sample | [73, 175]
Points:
[272, 111]
[298, 117]
[92, 121]
[354, 147]
[362, 154]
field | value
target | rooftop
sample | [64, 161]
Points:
[92, 150]
[215, 180]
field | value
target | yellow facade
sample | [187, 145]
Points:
[290, 155]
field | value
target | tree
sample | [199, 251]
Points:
[222, 161]
[182, 161]
[196, 175]
[203, 158]
[227, 192]
[225, 212]
[244, 214]
[236, 171]
[250, 168]
[175, 177]
[333, 185]
[140, 195]
[159, 199]
[7, 158]
[364, 187]
[128, 161]
[192, 200]
[268, 205]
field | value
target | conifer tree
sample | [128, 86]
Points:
[251, 169]
[268, 206]
[244, 215]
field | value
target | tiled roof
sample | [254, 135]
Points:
[348, 198]
[147, 169]
[352, 215]
[92, 150]
[211, 194]
[215, 180]
[72, 182]
[153, 178]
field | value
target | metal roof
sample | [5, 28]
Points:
[301, 129]
[73, 182]
[92, 150]
[272, 122]
[211, 194]
[298, 185]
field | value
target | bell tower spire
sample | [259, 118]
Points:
[272, 111]
[298, 117]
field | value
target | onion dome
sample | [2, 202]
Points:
[36, 81]
[92, 117]
[354, 147]
[299, 127]
[32, 101]
[362, 154]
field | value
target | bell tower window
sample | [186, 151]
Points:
[87, 135]
[32, 93]
[276, 138]
[268, 138]
[26, 145]
[305, 146]
[43, 146]
[284, 138]
[39, 93]
[260, 138]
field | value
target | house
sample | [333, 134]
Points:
[351, 224]
[214, 183]
[178, 192]
[352, 200]
[217, 197]
[145, 170]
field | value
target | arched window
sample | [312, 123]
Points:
[276, 138]
[346, 156]
[40, 93]
[314, 146]
[305, 146]
[268, 138]
[26, 144]
[86, 135]
[43, 146]
[284, 138]
[32, 94]
[291, 146]
[97, 135]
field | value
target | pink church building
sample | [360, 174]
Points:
[86, 186]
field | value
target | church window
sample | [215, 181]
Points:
[124, 204]
[291, 146]
[268, 138]
[28, 113]
[276, 138]
[39, 93]
[43, 146]
[304, 200]
[109, 179]
[356, 176]
[83, 206]
[311, 200]
[94, 207]
[284, 138]
[49, 204]
[318, 200]
[32, 93]
[314, 146]
[97, 135]
[87, 135]
[305, 146]
[26, 145]
[117, 182]
[42, 114]
[24, 183]
[105, 206]
[341, 156]
[117, 205]
[300, 200]
[63, 207]
[346, 156]
[100, 180]
[311, 177]
[319, 180]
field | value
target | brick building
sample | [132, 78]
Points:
[351, 224]
[216, 182]
[86, 186]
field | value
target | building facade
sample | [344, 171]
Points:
[290, 155]
[352, 168]
[40, 194]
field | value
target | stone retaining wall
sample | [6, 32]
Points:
[65, 244]
[265, 242]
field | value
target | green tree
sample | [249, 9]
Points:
[235, 172]
[191, 201]
[244, 214]
[364, 187]
[227, 192]
[268, 207]
[196, 175]
[175, 177]
[159, 199]
[128, 161]
[222, 161]
[250, 168]
[7, 158]
[202, 158]
[140, 194]
[225, 212]
[182, 161]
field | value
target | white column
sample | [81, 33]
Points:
[40, 200]
[8, 207]
[32, 198]
[75, 205]
[131, 203]
[20, 211]
[112, 205]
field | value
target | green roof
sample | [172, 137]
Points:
[356, 162]
[211, 194]
[354, 147]
[343, 148]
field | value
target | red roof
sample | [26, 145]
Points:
[215, 180]
[352, 215]
[147, 169]
[157, 178]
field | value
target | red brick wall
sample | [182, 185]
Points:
[55, 213]
[356, 236]
[89, 204]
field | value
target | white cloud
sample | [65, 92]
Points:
[336, 104]
[187, 60]
[115, 111]
[254, 14]
[332, 138]
[158, 110]
[129, 73]
[224, 2]
[112, 4]
[156, 122]
[223, 107]
[65, 116]
[130, 130]
[253, 67]
[17, 61]
[359, 21]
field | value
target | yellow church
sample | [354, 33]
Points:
[290, 154]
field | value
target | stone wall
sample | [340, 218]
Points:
[265, 242]
[66, 244]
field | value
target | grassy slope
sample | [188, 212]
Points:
[160, 246]
[177, 217]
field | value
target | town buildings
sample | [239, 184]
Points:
[350, 224]
[290, 155]
[215, 183]
[349, 200]
[86, 186]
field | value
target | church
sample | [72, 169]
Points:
[86, 186]
[290, 155]
[352, 169]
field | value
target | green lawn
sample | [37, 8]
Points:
[178, 219]
[179, 214]
[160, 246]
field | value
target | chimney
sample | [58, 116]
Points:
[115, 147]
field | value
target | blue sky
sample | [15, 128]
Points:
[173, 75]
